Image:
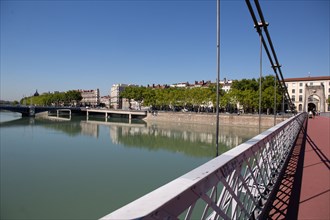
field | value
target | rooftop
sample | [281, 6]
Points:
[315, 78]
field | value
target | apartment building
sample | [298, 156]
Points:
[115, 100]
[105, 101]
[90, 97]
[226, 84]
[309, 93]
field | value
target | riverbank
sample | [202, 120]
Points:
[210, 119]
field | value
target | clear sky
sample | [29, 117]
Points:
[59, 45]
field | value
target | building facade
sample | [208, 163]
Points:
[309, 93]
[105, 101]
[90, 97]
[115, 100]
[226, 84]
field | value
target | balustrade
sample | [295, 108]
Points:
[235, 185]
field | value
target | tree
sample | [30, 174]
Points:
[138, 94]
[133, 92]
[245, 84]
[246, 92]
[149, 97]
[128, 93]
[73, 95]
[212, 94]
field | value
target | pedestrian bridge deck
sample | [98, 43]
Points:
[304, 192]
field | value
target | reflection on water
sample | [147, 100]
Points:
[194, 140]
[89, 129]
[9, 116]
[82, 169]
[191, 139]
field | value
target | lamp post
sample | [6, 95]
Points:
[218, 78]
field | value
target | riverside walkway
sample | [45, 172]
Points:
[304, 192]
[314, 200]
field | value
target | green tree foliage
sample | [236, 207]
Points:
[245, 84]
[133, 92]
[66, 98]
[171, 98]
[245, 92]
[149, 97]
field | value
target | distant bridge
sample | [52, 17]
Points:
[31, 111]
[108, 112]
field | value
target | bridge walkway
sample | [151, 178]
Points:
[304, 192]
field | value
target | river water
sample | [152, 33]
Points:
[82, 169]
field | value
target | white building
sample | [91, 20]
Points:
[180, 85]
[105, 101]
[90, 97]
[115, 101]
[226, 84]
[309, 93]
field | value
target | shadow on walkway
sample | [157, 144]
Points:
[285, 203]
[319, 153]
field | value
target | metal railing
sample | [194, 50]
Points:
[235, 185]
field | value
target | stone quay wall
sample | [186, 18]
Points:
[210, 119]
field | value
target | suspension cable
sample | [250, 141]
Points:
[274, 62]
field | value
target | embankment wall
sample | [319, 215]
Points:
[202, 118]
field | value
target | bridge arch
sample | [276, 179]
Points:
[313, 103]
[314, 98]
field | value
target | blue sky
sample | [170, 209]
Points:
[63, 45]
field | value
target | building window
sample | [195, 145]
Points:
[300, 98]
[300, 107]
[300, 90]
[300, 84]
[311, 83]
[329, 90]
[293, 84]
[293, 98]
[293, 91]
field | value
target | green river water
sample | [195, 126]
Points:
[82, 169]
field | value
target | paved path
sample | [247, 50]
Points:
[304, 190]
[314, 200]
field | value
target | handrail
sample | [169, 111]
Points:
[235, 185]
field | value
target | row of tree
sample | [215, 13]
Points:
[245, 92]
[62, 98]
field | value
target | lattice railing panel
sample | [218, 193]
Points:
[235, 185]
